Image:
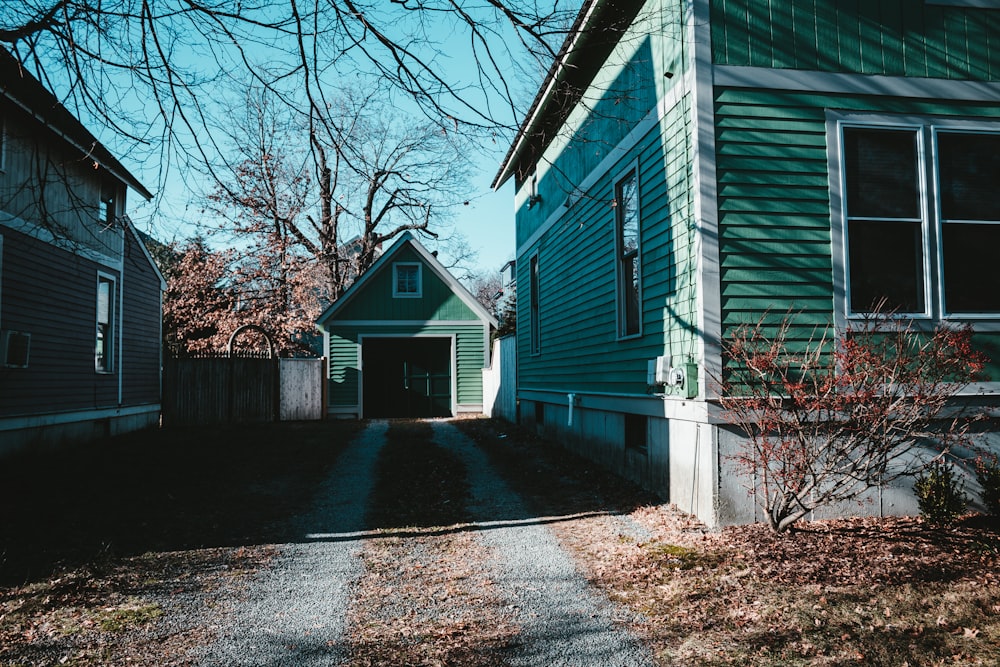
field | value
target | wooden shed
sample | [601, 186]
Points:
[406, 340]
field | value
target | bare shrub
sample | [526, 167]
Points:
[828, 418]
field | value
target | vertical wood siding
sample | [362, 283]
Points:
[891, 37]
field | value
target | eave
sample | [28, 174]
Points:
[26, 93]
[596, 31]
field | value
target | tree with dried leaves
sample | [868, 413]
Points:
[828, 420]
[211, 293]
[198, 304]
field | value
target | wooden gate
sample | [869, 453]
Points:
[240, 389]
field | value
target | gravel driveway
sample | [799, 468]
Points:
[295, 613]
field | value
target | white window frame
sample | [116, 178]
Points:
[976, 4]
[534, 306]
[111, 334]
[927, 129]
[396, 293]
[621, 325]
[3, 143]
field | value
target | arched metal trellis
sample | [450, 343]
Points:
[251, 327]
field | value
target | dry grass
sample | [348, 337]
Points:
[423, 599]
[849, 592]
[126, 544]
[108, 550]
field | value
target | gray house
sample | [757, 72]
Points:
[80, 296]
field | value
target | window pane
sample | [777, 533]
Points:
[103, 302]
[881, 173]
[630, 295]
[627, 201]
[971, 284]
[407, 280]
[534, 308]
[969, 167]
[886, 261]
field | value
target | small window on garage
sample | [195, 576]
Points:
[406, 280]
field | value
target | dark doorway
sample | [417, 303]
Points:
[406, 377]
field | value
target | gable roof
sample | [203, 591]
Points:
[596, 31]
[27, 93]
[407, 239]
[141, 240]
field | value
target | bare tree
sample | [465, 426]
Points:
[487, 288]
[111, 56]
[336, 190]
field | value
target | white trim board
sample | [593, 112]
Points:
[736, 76]
[51, 419]
[708, 286]
[665, 407]
[664, 105]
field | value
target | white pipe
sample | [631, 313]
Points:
[572, 400]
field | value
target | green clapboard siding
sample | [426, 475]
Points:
[577, 268]
[890, 37]
[774, 201]
[372, 310]
[620, 97]
[376, 302]
[345, 357]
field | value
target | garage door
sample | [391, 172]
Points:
[406, 377]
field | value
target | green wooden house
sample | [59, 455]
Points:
[406, 340]
[689, 166]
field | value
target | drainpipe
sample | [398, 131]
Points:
[572, 400]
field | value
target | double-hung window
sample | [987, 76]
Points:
[105, 340]
[406, 280]
[919, 219]
[968, 179]
[626, 206]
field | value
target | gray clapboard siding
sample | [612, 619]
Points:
[52, 294]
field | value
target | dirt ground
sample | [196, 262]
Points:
[108, 554]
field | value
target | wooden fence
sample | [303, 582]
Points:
[231, 390]
[500, 380]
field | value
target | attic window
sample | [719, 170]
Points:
[406, 280]
[106, 210]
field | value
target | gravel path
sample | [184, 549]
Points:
[294, 613]
[563, 621]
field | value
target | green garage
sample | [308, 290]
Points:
[406, 340]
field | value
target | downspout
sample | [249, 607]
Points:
[573, 400]
[121, 314]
